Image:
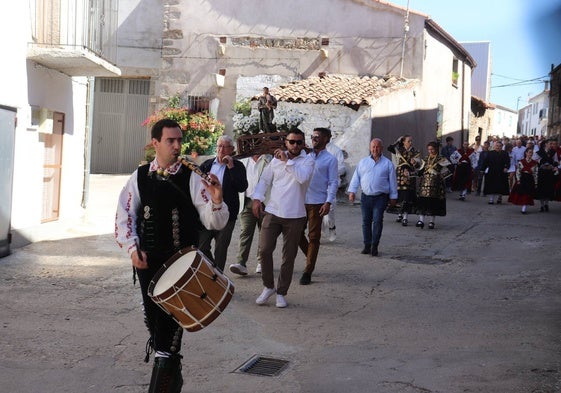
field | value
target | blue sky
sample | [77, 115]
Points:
[525, 37]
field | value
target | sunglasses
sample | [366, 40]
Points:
[293, 141]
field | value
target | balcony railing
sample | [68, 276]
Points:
[84, 30]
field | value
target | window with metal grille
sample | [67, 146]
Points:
[198, 103]
[109, 85]
[139, 86]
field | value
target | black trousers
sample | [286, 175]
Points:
[164, 330]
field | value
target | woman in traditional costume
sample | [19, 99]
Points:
[407, 162]
[431, 200]
[496, 173]
[463, 173]
[524, 188]
[547, 176]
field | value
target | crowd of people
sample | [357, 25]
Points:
[522, 170]
[504, 167]
[166, 206]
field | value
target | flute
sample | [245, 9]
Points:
[195, 168]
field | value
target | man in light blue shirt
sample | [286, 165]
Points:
[321, 194]
[376, 177]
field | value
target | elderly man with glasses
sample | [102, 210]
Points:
[287, 176]
[232, 176]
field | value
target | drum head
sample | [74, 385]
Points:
[174, 272]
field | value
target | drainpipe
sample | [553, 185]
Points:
[88, 141]
[405, 31]
[462, 120]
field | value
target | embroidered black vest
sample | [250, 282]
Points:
[167, 219]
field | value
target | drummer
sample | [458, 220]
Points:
[161, 210]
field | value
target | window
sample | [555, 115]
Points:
[455, 73]
[198, 103]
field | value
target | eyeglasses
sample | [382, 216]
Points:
[315, 137]
[293, 141]
[224, 146]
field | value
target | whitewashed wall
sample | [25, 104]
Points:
[350, 129]
[436, 88]
[24, 83]
[139, 37]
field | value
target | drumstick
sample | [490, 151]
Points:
[139, 254]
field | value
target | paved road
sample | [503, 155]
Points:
[472, 306]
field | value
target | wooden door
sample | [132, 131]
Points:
[52, 169]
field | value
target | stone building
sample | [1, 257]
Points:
[554, 116]
[215, 52]
[481, 119]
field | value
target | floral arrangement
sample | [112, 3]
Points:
[246, 125]
[244, 121]
[285, 119]
[200, 130]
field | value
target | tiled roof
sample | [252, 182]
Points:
[340, 89]
[482, 102]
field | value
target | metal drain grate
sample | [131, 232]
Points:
[259, 365]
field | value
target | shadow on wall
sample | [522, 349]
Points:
[422, 125]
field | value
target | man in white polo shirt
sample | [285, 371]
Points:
[288, 175]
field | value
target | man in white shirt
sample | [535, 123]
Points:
[254, 167]
[518, 151]
[329, 219]
[288, 176]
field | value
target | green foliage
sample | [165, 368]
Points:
[243, 107]
[200, 130]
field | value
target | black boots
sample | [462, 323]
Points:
[166, 375]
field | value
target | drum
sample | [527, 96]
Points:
[191, 289]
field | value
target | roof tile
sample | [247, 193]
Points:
[339, 89]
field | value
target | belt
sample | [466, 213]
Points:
[376, 195]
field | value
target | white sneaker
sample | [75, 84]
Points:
[238, 269]
[258, 268]
[265, 295]
[332, 235]
[281, 302]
